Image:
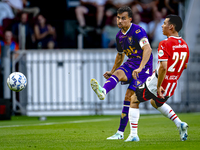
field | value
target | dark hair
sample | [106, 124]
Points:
[125, 9]
[176, 21]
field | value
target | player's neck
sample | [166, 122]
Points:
[125, 29]
[173, 34]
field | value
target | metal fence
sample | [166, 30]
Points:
[59, 84]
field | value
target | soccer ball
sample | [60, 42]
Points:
[16, 81]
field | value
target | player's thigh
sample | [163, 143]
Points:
[128, 94]
[120, 74]
[153, 103]
[158, 102]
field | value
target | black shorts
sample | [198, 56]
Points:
[143, 94]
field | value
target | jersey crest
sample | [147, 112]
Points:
[123, 115]
[130, 39]
[160, 53]
[138, 82]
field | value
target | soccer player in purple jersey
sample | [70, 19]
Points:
[132, 41]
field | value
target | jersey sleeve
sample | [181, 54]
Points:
[119, 48]
[141, 37]
[162, 51]
[143, 42]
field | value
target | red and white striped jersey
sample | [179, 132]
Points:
[175, 51]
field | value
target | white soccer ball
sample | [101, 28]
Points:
[16, 81]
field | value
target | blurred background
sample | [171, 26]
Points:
[60, 45]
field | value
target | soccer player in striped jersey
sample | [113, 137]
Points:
[132, 41]
[173, 55]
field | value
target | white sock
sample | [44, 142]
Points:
[134, 114]
[104, 91]
[167, 111]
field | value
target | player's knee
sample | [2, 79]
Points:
[117, 73]
[128, 95]
[127, 98]
[120, 75]
[134, 102]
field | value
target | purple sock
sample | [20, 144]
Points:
[124, 116]
[111, 83]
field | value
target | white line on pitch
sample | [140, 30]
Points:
[71, 122]
[52, 123]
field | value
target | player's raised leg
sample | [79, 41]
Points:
[102, 91]
[168, 112]
[110, 84]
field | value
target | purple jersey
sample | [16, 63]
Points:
[129, 44]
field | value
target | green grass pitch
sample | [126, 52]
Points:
[90, 132]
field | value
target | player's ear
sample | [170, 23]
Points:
[171, 27]
[131, 19]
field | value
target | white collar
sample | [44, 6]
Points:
[176, 37]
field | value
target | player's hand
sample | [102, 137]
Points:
[135, 73]
[107, 74]
[160, 91]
